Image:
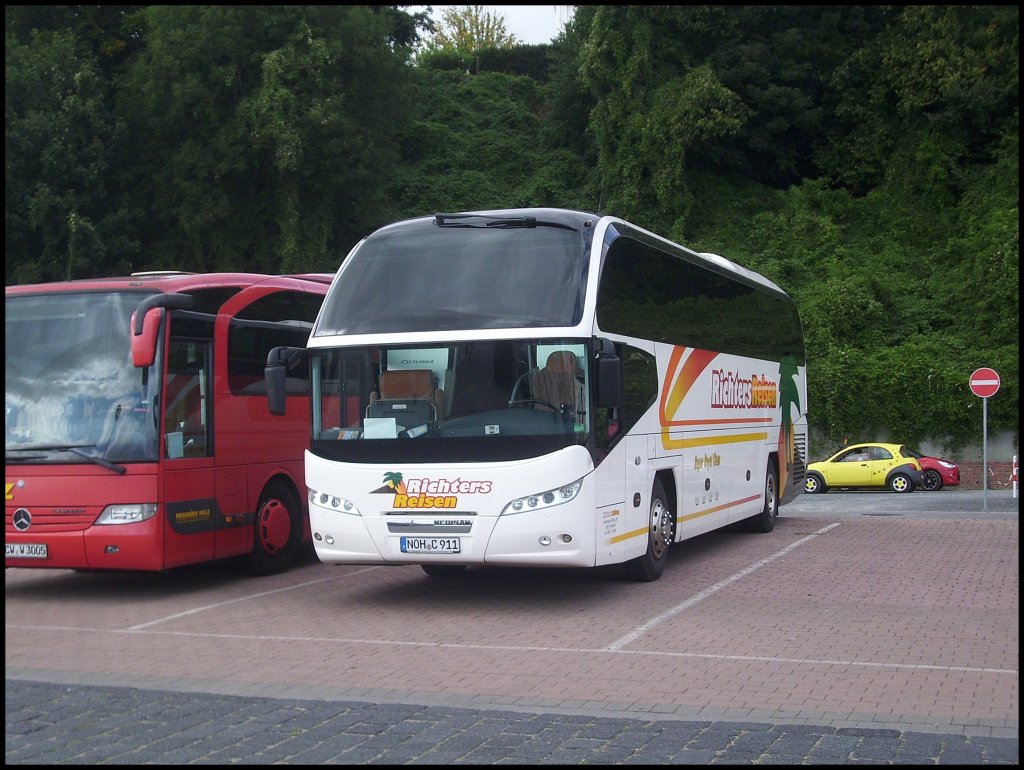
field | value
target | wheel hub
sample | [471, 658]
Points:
[274, 526]
[661, 528]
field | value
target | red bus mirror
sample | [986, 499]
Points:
[145, 328]
[144, 343]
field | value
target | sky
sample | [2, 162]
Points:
[531, 24]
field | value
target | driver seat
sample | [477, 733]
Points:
[560, 383]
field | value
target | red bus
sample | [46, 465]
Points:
[136, 426]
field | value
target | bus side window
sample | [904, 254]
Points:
[187, 419]
[640, 391]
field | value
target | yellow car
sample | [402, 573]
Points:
[866, 466]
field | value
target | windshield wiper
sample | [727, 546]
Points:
[21, 458]
[98, 460]
[72, 448]
[46, 447]
[442, 220]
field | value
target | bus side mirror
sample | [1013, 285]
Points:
[609, 375]
[145, 325]
[144, 341]
[275, 374]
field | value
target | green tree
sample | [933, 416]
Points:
[264, 133]
[649, 113]
[866, 158]
[465, 29]
[63, 142]
[473, 145]
[934, 88]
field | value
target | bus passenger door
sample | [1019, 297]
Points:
[637, 507]
[189, 494]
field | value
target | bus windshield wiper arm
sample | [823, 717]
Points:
[442, 220]
[47, 447]
[98, 460]
[73, 448]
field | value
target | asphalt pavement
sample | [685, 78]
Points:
[56, 722]
[948, 503]
[74, 724]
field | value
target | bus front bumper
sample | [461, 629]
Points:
[99, 547]
[562, 536]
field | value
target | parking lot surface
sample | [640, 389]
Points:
[868, 628]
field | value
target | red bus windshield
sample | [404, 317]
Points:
[71, 389]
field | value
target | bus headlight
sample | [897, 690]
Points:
[127, 513]
[546, 499]
[332, 502]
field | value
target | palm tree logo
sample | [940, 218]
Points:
[393, 485]
[789, 397]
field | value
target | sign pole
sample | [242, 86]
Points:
[984, 454]
[984, 384]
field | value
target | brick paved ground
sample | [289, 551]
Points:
[865, 637]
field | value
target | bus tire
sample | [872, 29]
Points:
[277, 530]
[443, 570]
[765, 520]
[660, 534]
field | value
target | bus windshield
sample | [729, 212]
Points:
[478, 400]
[70, 388]
[473, 273]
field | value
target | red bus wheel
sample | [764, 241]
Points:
[273, 526]
[277, 530]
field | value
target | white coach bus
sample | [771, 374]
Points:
[544, 387]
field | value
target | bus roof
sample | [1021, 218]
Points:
[577, 219]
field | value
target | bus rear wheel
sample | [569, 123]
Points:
[660, 534]
[278, 529]
[765, 520]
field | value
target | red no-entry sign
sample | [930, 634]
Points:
[984, 382]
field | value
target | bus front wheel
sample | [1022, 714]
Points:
[278, 529]
[660, 534]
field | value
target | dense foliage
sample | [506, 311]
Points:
[863, 157]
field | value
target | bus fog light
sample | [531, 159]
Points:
[111, 549]
[544, 540]
[317, 537]
[566, 538]
[329, 540]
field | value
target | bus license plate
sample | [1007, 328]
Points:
[24, 550]
[430, 545]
